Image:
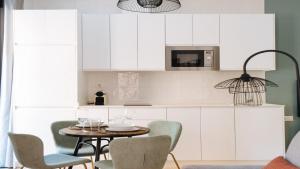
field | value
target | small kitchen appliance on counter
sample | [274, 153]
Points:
[100, 98]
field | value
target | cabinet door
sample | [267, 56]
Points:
[29, 26]
[123, 41]
[45, 27]
[37, 122]
[217, 133]
[93, 113]
[151, 42]
[206, 29]
[96, 42]
[259, 133]
[61, 27]
[179, 29]
[45, 76]
[242, 36]
[189, 144]
[139, 113]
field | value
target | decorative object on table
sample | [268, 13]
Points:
[149, 6]
[169, 128]
[247, 89]
[100, 98]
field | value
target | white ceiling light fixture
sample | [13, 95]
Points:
[149, 6]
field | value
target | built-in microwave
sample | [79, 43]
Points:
[192, 57]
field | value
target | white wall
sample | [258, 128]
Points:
[188, 6]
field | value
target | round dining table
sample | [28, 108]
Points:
[90, 134]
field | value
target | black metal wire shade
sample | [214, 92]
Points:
[247, 90]
[149, 6]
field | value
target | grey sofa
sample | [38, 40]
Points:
[292, 155]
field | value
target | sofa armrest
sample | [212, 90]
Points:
[222, 167]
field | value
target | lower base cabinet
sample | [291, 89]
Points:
[209, 132]
[189, 144]
[217, 133]
[259, 133]
[37, 121]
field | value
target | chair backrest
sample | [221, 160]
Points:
[140, 153]
[28, 150]
[60, 140]
[293, 151]
[170, 128]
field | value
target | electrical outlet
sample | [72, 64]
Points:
[288, 118]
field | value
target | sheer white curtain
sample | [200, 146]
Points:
[6, 157]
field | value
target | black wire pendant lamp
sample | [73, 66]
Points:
[149, 6]
[247, 90]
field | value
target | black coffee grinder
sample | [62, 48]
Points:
[99, 100]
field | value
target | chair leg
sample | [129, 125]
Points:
[85, 167]
[175, 160]
[92, 162]
[105, 156]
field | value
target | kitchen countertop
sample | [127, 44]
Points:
[175, 105]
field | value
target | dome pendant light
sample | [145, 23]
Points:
[149, 6]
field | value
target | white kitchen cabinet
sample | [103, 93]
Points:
[179, 30]
[96, 42]
[137, 113]
[45, 27]
[241, 35]
[217, 133]
[206, 28]
[45, 76]
[189, 144]
[93, 113]
[259, 133]
[37, 121]
[124, 41]
[151, 42]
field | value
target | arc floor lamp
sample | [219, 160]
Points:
[247, 90]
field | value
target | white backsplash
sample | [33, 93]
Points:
[184, 87]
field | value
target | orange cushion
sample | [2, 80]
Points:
[280, 163]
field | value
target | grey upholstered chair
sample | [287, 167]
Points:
[66, 144]
[137, 153]
[29, 151]
[292, 155]
[170, 128]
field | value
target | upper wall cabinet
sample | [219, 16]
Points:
[96, 42]
[151, 42]
[124, 41]
[45, 27]
[179, 30]
[243, 35]
[206, 29]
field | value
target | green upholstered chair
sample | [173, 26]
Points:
[29, 151]
[170, 128]
[137, 153]
[66, 144]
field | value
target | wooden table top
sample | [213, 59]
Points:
[88, 132]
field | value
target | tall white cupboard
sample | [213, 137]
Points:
[48, 79]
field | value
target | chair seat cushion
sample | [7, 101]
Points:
[61, 160]
[105, 164]
[83, 151]
[280, 163]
